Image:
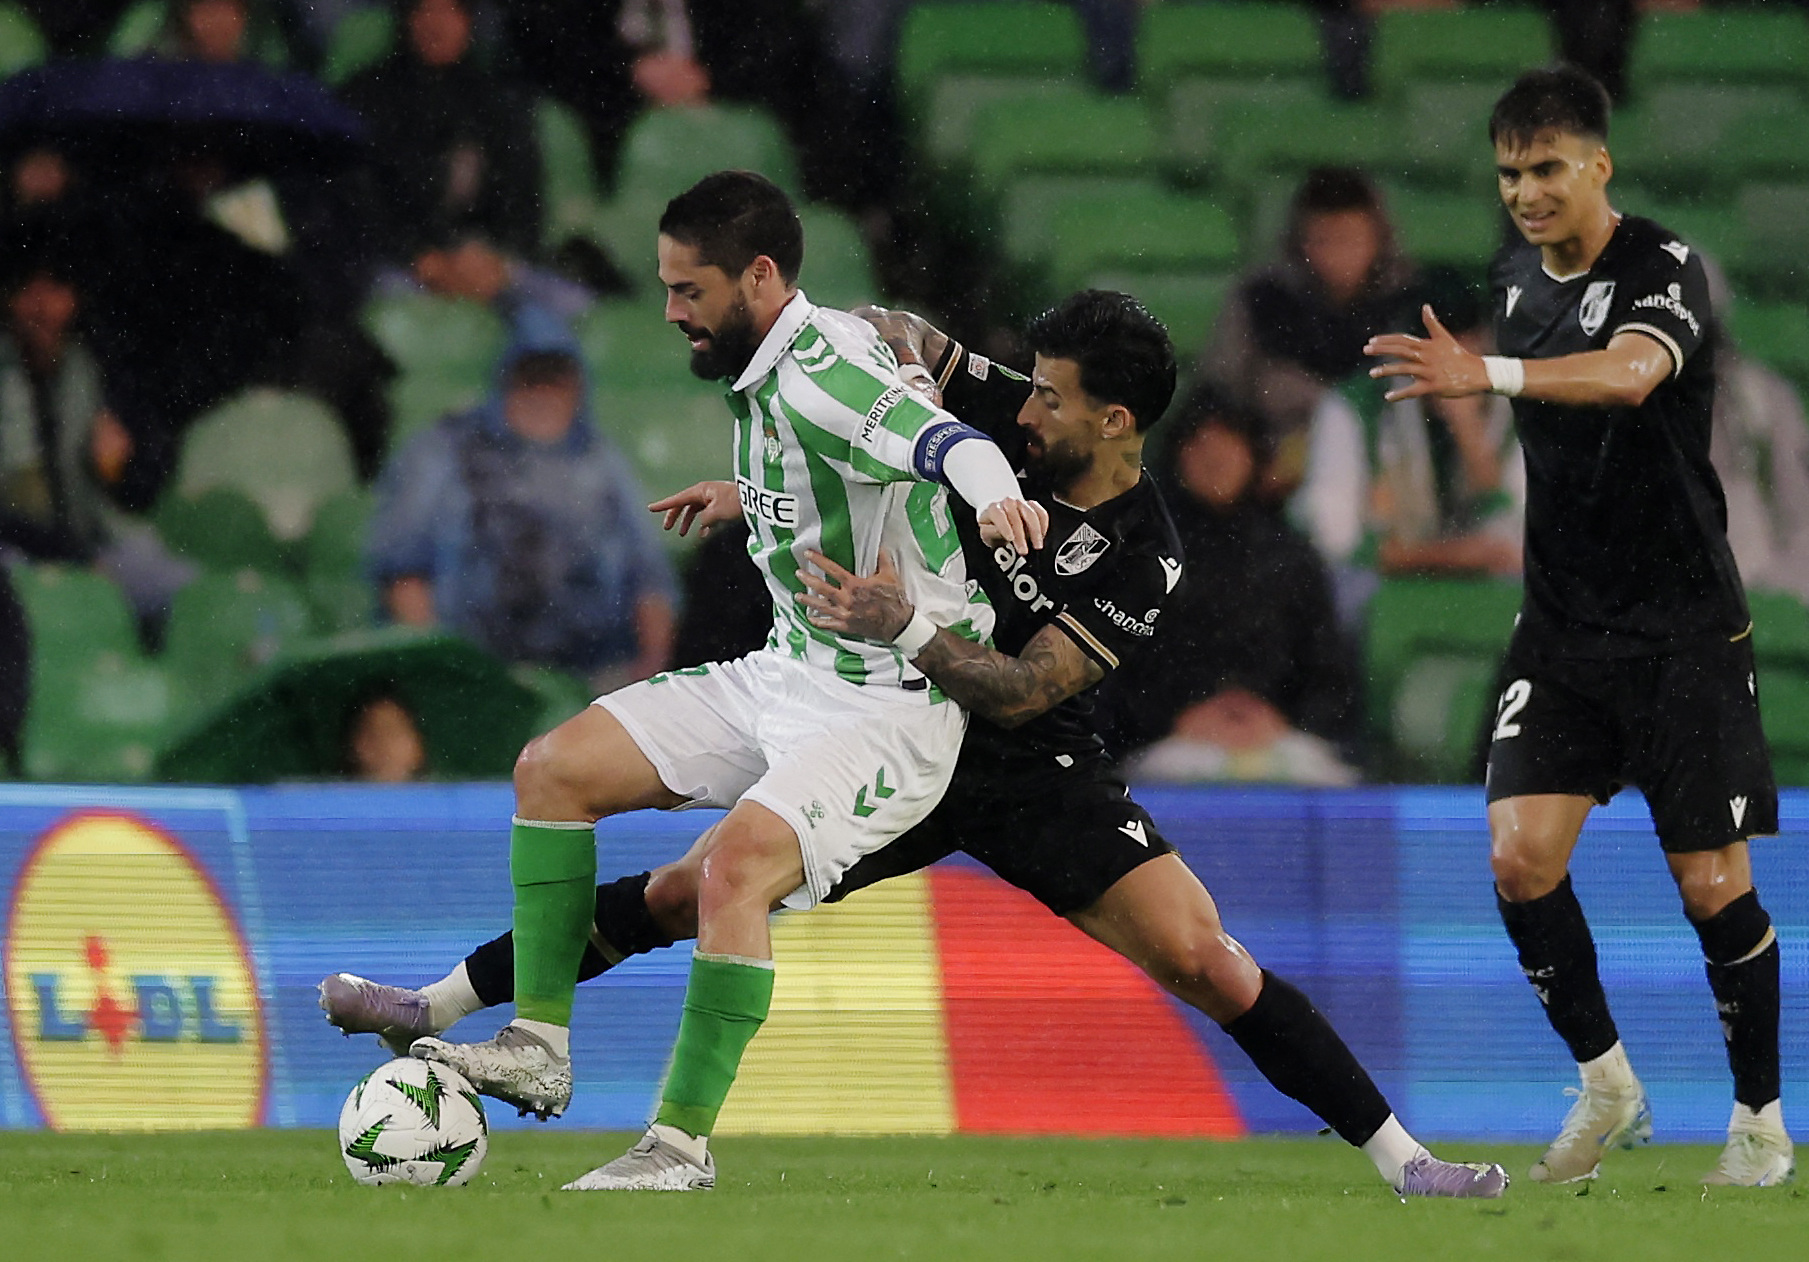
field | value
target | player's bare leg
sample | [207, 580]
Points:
[1161, 918]
[750, 862]
[1531, 840]
[1740, 954]
[586, 768]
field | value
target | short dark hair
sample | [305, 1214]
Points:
[1558, 98]
[543, 368]
[1124, 353]
[731, 218]
[1332, 190]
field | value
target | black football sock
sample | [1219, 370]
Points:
[1741, 952]
[1300, 1053]
[1558, 957]
[622, 923]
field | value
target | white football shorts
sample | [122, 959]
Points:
[848, 767]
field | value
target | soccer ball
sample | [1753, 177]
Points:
[413, 1121]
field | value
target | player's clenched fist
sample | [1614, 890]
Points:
[1021, 523]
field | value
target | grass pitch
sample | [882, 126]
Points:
[270, 1196]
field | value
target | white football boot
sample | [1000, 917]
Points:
[652, 1165]
[1600, 1119]
[1759, 1153]
[394, 1014]
[517, 1067]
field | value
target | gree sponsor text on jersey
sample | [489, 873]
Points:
[775, 508]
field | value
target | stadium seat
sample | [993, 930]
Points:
[1784, 709]
[1764, 147]
[286, 451]
[838, 271]
[1489, 44]
[672, 439]
[73, 613]
[1018, 37]
[1774, 239]
[1445, 130]
[101, 718]
[1775, 333]
[1438, 713]
[1151, 233]
[361, 38]
[569, 190]
[1028, 207]
[1226, 41]
[1679, 133]
[1196, 108]
[1410, 617]
[956, 101]
[420, 397]
[220, 528]
[1289, 138]
[668, 150]
[21, 43]
[137, 28]
[447, 336]
[1186, 302]
[1460, 230]
[1713, 229]
[1097, 135]
[1780, 628]
[1722, 45]
[223, 627]
[629, 345]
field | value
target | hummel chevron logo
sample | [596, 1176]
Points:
[1513, 298]
[1134, 830]
[1677, 250]
[881, 790]
[1738, 805]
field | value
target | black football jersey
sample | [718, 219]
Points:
[1626, 525]
[1102, 575]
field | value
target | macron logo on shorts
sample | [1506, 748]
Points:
[1738, 806]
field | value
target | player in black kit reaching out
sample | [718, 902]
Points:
[1632, 659]
[1034, 796]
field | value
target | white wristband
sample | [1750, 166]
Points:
[1506, 376]
[915, 637]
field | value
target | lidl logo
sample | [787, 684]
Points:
[131, 993]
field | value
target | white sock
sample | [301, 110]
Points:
[450, 998]
[1391, 1148]
[557, 1037]
[1611, 1071]
[1747, 1119]
[693, 1146]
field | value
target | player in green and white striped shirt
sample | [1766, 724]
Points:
[824, 747]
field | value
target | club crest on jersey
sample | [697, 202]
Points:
[1084, 547]
[1592, 312]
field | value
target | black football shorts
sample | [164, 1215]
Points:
[1062, 834]
[1682, 727]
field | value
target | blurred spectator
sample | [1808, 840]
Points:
[1248, 677]
[220, 32]
[1420, 486]
[15, 677]
[519, 525]
[1291, 328]
[60, 447]
[1760, 449]
[76, 29]
[383, 743]
[467, 265]
[1596, 35]
[455, 145]
[727, 609]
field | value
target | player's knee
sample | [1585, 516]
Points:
[1706, 891]
[1523, 873]
[672, 899]
[744, 867]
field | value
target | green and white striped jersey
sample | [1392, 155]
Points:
[824, 440]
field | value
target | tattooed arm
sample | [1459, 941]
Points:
[912, 338]
[1007, 690]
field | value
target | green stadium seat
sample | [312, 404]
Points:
[446, 336]
[627, 229]
[1196, 109]
[21, 43]
[221, 528]
[956, 101]
[838, 271]
[629, 345]
[1187, 302]
[1722, 45]
[1030, 40]
[1774, 239]
[1289, 139]
[1784, 709]
[286, 451]
[1713, 229]
[1775, 333]
[419, 398]
[137, 29]
[561, 696]
[569, 191]
[224, 627]
[1438, 713]
[1410, 617]
[1780, 629]
[1226, 41]
[1149, 234]
[1764, 147]
[360, 39]
[73, 613]
[339, 596]
[1096, 135]
[668, 150]
[1490, 44]
[1460, 230]
[1029, 207]
[1679, 134]
[100, 719]
[672, 439]
[1445, 130]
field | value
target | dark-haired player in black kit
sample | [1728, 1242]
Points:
[1034, 796]
[1632, 660]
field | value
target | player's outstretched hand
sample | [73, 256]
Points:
[873, 608]
[1437, 363]
[703, 504]
[1021, 523]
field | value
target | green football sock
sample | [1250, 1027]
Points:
[726, 1001]
[554, 870]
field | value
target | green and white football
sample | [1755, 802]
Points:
[413, 1121]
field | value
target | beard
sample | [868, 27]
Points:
[1057, 465]
[730, 347]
